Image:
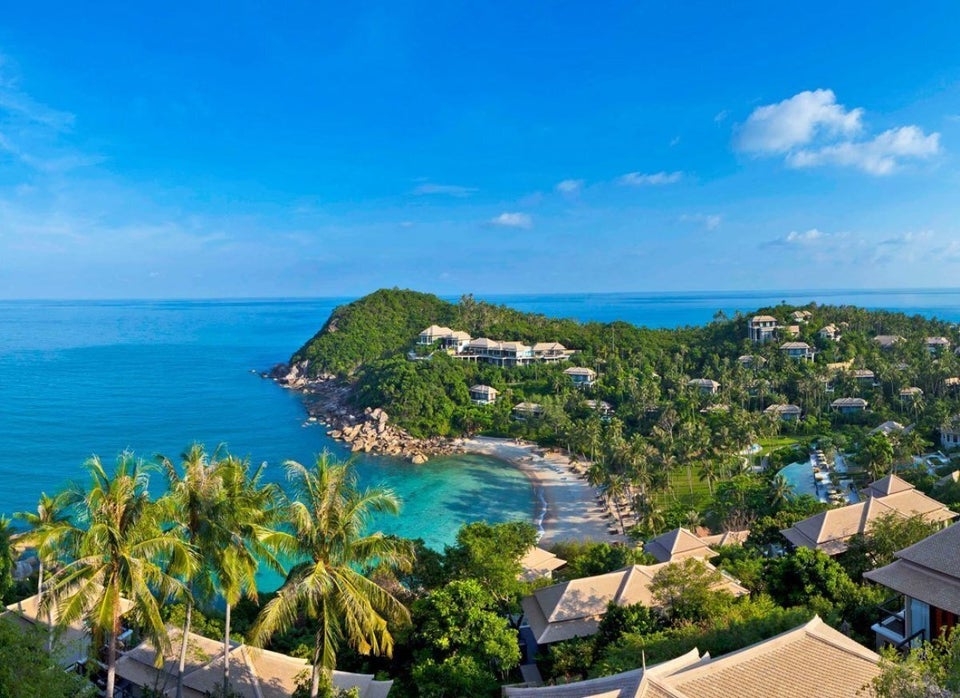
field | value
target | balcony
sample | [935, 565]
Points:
[891, 629]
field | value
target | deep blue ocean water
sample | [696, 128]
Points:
[78, 378]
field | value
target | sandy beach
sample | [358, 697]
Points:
[572, 510]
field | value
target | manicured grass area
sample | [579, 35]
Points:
[767, 446]
[680, 490]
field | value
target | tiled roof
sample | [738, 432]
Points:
[891, 484]
[677, 544]
[537, 563]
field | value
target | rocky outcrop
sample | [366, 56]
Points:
[328, 401]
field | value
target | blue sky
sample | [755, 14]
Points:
[238, 149]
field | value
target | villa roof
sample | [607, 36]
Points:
[574, 608]
[831, 530]
[783, 409]
[677, 544]
[527, 407]
[538, 563]
[887, 340]
[459, 334]
[794, 345]
[891, 484]
[580, 371]
[601, 405]
[912, 390]
[763, 318]
[928, 570]
[437, 330]
[938, 341]
[484, 389]
[548, 346]
[747, 359]
[849, 402]
[829, 329]
[703, 383]
[514, 346]
[484, 343]
[726, 538]
[254, 673]
[953, 381]
[863, 373]
[810, 661]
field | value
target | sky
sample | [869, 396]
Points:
[249, 149]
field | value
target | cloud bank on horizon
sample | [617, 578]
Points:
[431, 154]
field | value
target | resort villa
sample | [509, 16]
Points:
[575, 608]
[786, 413]
[864, 376]
[527, 410]
[706, 386]
[801, 351]
[762, 329]
[499, 353]
[888, 341]
[581, 377]
[483, 394]
[926, 577]
[950, 434]
[830, 333]
[937, 344]
[911, 394]
[801, 316]
[751, 361]
[849, 405]
[538, 563]
[678, 544]
[812, 660]
[830, 531]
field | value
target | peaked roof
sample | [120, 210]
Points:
[538, 563]
[574, 608]
[891, 484]
[677, 544]
[928, 570]
[831, 530]
[579, 371]
[727, 538]
[811, 661]
[254, 673]
[763, 318]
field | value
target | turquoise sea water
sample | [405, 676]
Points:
[78, 378]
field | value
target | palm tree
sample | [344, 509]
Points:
[48, 528]
[249, 513]
[119, 553]
[195, 498]
[328, 517]
[6, 555]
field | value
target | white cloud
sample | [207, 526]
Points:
[777, 128]
[448, 189]
[878, 156]
[639, 179]
[811, 130]
[570, 186]
[513, 220]
[710, 221]
[805, 238]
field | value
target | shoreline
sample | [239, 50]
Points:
[569, 507]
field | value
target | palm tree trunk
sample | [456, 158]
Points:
[112, 660]
[317, 658]
[183, 649]
[226, 652]
[40, 605]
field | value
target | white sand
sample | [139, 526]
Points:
[573, 511]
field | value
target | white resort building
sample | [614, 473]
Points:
[581, 377]
[461, 345]
[483, 394]
[762, 329]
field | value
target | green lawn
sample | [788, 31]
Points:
[767, 446]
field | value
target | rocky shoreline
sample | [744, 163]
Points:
[369, 431]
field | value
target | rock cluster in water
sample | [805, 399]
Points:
[329, 402]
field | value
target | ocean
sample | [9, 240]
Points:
[96, 377]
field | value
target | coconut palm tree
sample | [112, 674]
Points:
[250, 511]
[49, 527]
[118, 552]
[195, 498]
[328, 516]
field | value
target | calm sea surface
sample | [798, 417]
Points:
[82, 378]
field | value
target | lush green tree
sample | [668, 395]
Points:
[618, 620]
[117, 551]
[929, 671]
[461, 621]
[888, 534]
[491, 554]
[588, 558]
[794, 579]
[876, 454]
[453, 676]
[27, 669]
[328, 518]
[687, 591]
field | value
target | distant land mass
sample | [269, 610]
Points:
[487, 369]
